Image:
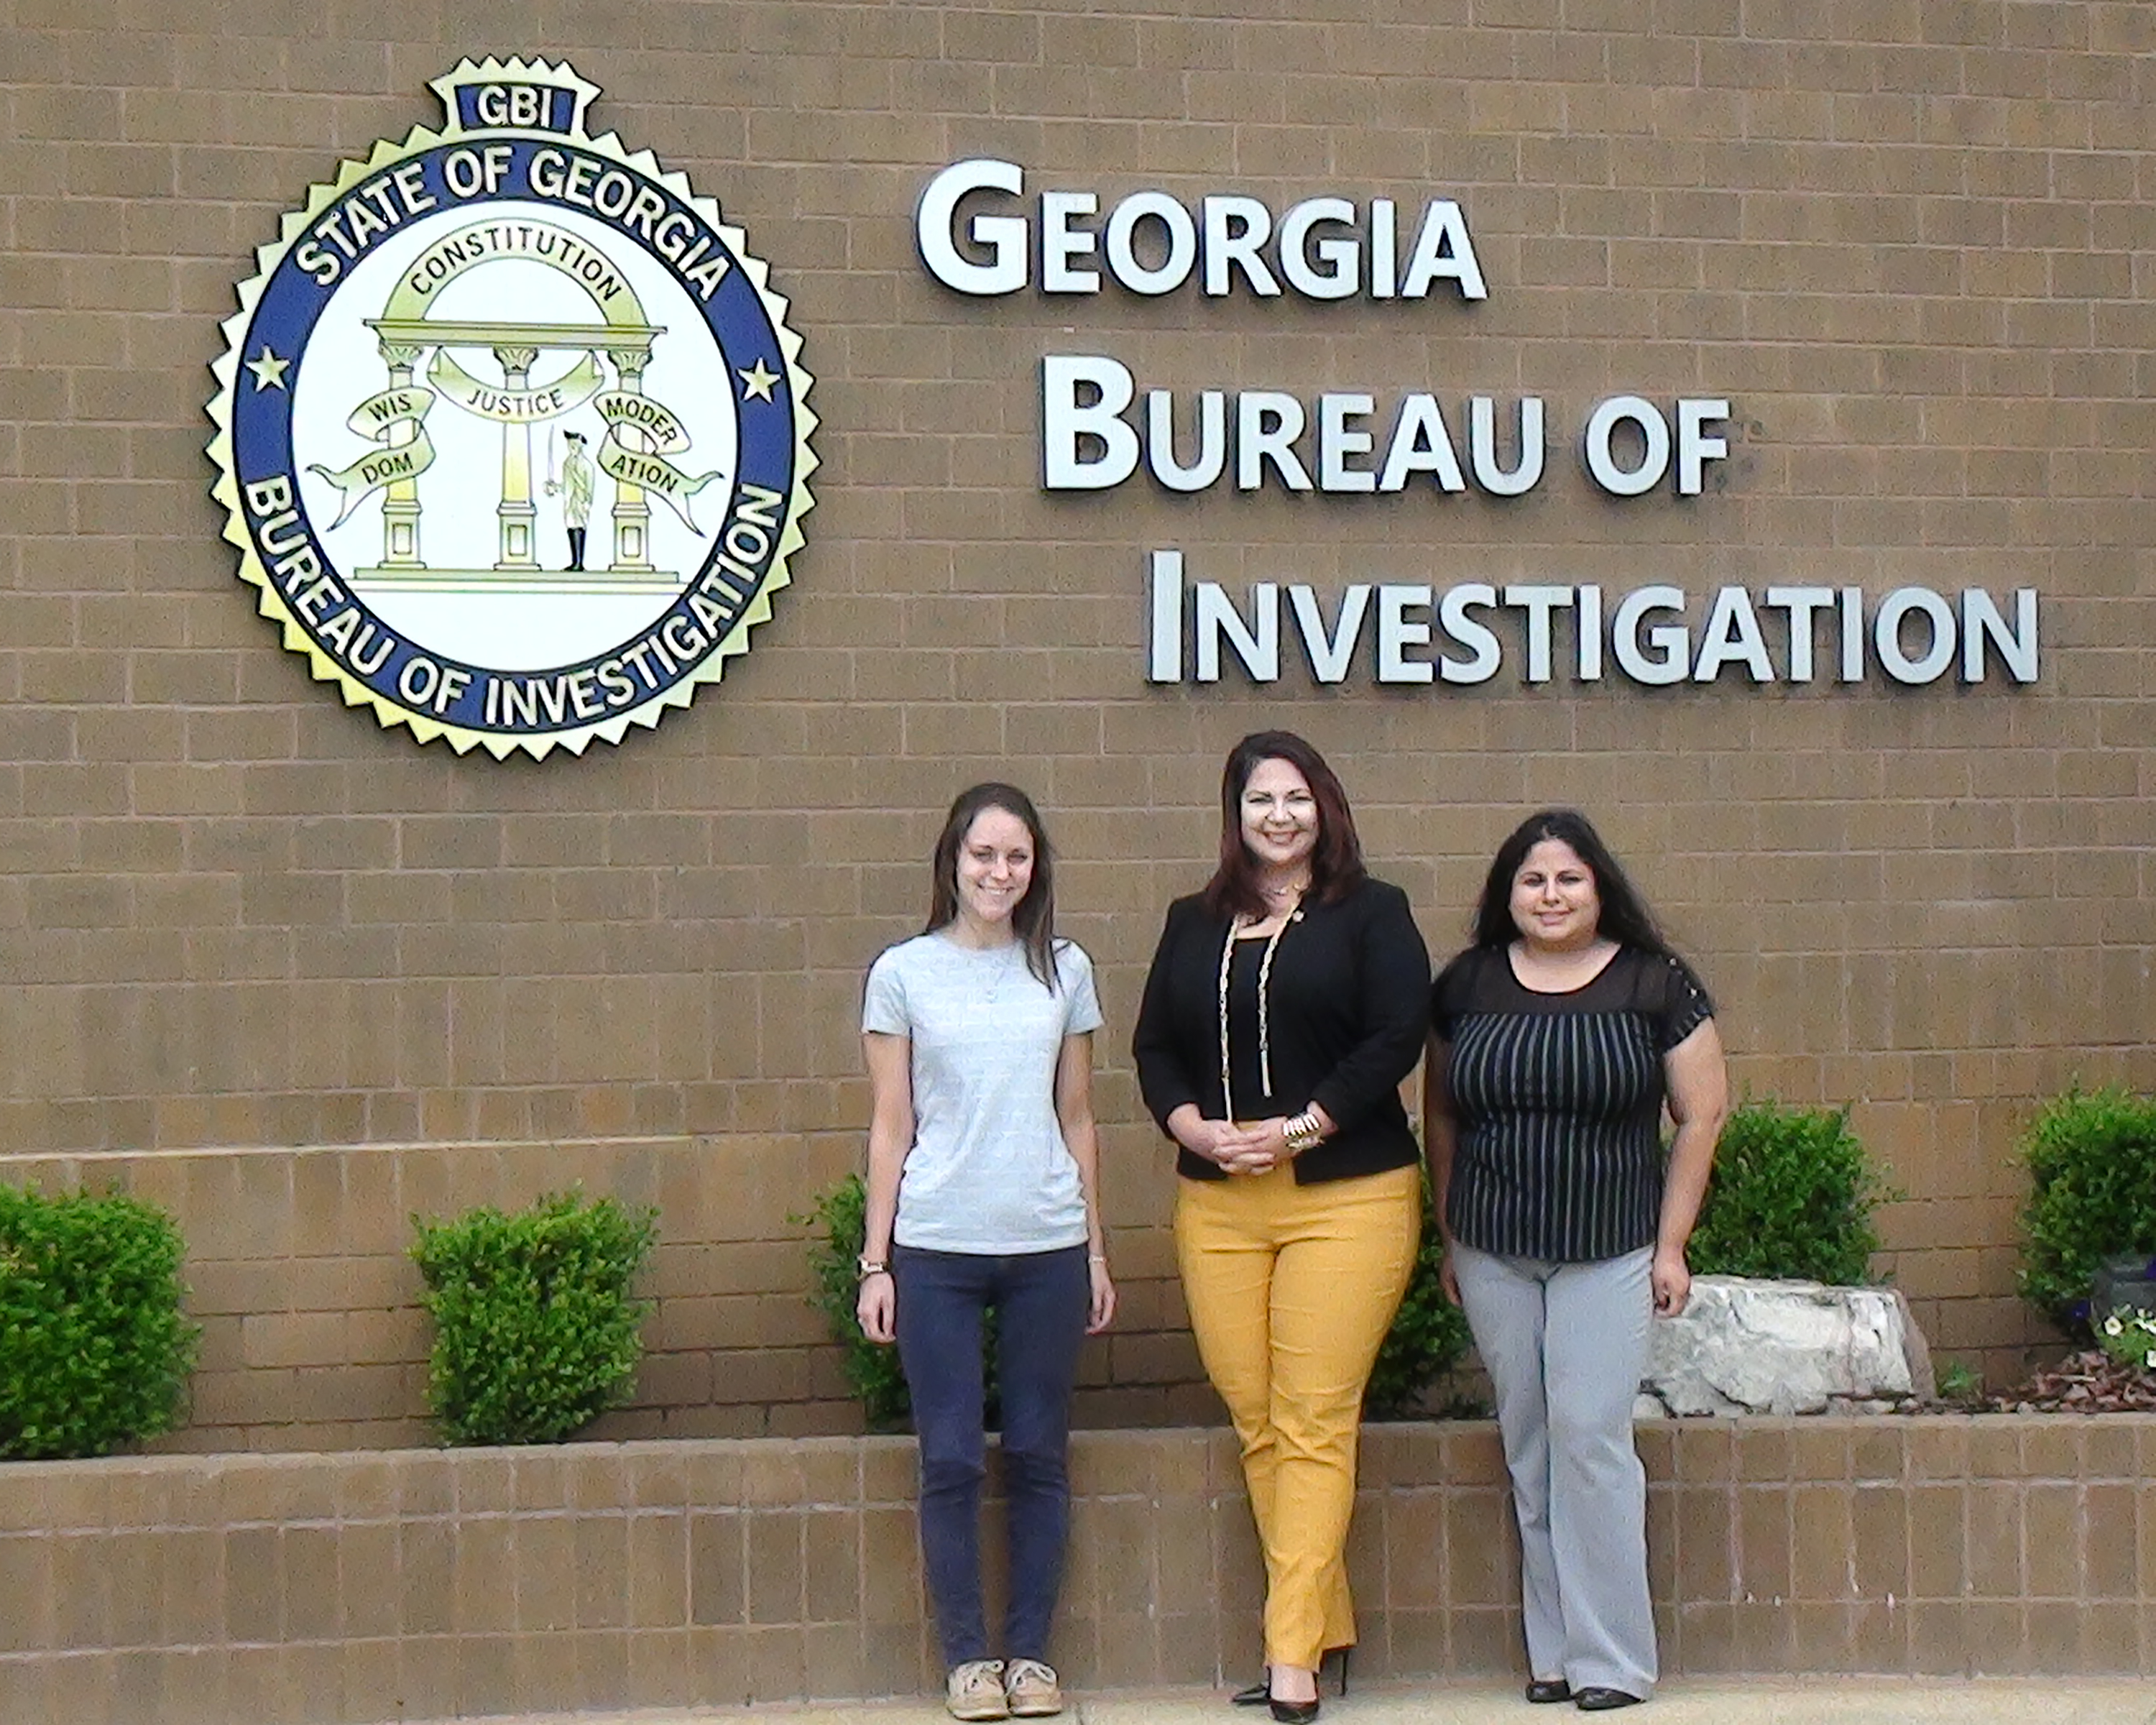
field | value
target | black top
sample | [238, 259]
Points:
[1558, 1102]
[1345, 1014]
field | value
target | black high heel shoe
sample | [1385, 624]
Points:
[1302, 1712]
[1260, 1693]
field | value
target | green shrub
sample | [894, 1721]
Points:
[1791, 1197]
[94, 1352]
[535, 1332]
[839, 1215]
[1429, 1334]
[2091, 1161]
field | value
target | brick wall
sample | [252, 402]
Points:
[298, 1273]
[1910, 243]
[183, 1590]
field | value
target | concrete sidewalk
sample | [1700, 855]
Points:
[1682, 1700]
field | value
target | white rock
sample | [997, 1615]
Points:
[1746, 1346]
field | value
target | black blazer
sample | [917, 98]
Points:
[1349, 1012]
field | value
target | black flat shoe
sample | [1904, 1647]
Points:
[1252, 1695]
[1293, 1713]
[1596, 1698]
[1547, 1689]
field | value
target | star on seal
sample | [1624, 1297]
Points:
[758, 381]
[269, 370]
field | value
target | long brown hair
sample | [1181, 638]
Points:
[1336, 866]
[1034, 919]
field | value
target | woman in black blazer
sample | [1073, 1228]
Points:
[1286, 1003]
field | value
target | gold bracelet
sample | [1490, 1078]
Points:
[1303, 1133]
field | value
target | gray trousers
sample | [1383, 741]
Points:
[1565, 1346]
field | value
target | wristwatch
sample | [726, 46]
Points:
[865, 1266]
[1303, 1133]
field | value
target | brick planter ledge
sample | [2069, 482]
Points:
[376, 1585]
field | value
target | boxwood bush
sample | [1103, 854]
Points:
[535, 1332]
[2091, 1162]
[1429, 1335]
[1791, 1197]
[839, 1218]
[94, 1351]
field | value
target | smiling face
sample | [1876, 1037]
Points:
[1555, 904]
[1279, 818]
[995, 870]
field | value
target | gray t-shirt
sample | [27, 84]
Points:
[988, 1171]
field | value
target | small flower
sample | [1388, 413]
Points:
[2112, 1327]
[2151, 1361]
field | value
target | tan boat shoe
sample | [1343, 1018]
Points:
[975, 1691]
[1031, 1689]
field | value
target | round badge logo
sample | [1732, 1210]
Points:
[511, 432]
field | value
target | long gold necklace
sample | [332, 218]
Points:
[1289, 913]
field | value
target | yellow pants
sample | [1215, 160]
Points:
[1292, 1290]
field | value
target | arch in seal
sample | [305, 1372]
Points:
[405, 331]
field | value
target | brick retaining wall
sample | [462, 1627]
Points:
[363, 1587]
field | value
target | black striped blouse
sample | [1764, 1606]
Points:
[1558, 1102]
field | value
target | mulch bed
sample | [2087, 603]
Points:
[2090, 1382]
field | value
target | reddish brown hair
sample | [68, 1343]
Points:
[1336, 866]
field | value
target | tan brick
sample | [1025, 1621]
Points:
[1905, 246]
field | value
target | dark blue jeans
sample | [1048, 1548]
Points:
[1041, 1301]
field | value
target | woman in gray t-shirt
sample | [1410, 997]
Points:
[983, 1192]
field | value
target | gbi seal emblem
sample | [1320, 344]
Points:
[511, 433]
